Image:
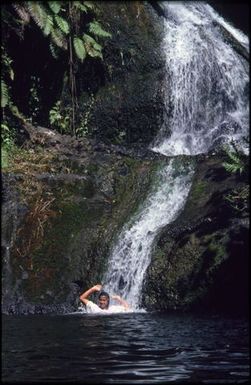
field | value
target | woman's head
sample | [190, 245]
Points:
[103, 300]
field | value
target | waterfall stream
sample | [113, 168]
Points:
[206, 93]
[206, 101]
[132, 251]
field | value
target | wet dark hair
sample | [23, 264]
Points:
[104, 294]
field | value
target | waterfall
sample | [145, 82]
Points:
[206, 93]
[131, 254]
[206, 99]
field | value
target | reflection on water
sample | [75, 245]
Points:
[125, 348]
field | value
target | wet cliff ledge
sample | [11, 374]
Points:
[63, 204]
[200, 261]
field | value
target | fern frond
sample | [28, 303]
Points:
[22, 12]
[4, 94]
[92, 47]
[58, 38]
[230, 167]
[53, 50]
[38, 13]
[96, 29]
[89, 4]
[234, 157]
[48, 26]
[79, 48]
[55, 6]
[80, 6]
[88, 39]
[62, 24]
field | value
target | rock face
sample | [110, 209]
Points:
[200, 260]
[122, 96]
[59, 219]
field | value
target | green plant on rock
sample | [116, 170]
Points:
[58, 119]
[34, 101]
[82, 129]
[238, 198]
[7, 143]
[235, 162]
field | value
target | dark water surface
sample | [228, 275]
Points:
[137, 348]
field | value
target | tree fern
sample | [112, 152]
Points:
[96, 29]
[62, 24]
[55, 6]
[79, 48]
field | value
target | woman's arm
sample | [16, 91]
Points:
[121, 301]
[85, 295]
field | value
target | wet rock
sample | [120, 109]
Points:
[200, 260]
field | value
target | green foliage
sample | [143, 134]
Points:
[55, 6]
[96, 29]
[57, 20]
[237, 163]
[92, 47]
[48, 27]
[79, 48]
[238, 198]
[62, 24]
[67, 26]
[7, 143]
[34, 100]
[234, 161]
[4, 94]
[59, 120]
[82, 129]
[7, 73]
[37, 11]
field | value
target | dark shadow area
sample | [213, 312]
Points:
[236, 13]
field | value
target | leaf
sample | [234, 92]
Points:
[230, 167]
[79, 48]
[89, 4]
[96, 29]
[92, 47]
[63, 24]
[53, 52]
[58, 38]
[234, 157]
[48, 26]
[55, 6]
[12, 74]
[38, 13]
[22, 13]
[78, 5]
[4, 94]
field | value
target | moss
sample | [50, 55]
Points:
[199, 190]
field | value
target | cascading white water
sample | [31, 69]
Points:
[130, 256]
[206, 105]
[207, 88]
